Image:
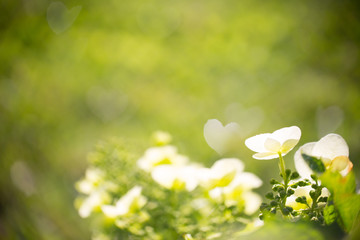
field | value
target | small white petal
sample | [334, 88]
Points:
[265, 156]
[286, 133]
[84, 186]
[216, 194]
[252, 202]
[225, 165]
[257, 142]
[246, 180]
[188, 175]
[110, 211]
[164, 175]
[125, 202]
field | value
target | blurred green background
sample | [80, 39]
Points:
[74, 73]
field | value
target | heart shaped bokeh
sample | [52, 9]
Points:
[249, 119]
[107, 104]
[220, 137]
[60, 18]
[329, 119]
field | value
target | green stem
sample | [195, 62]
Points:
[282, 168]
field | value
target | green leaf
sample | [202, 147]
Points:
[349, 210]
[346, 201]
[314, 163]
[330, 214]
[338, 184]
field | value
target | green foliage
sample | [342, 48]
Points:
[281, 192]
[346, 200]
[167, 214]
[276, 227]
[124, 68]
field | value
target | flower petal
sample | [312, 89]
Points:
[330, 146]
[339, 163]
[246, 180]
[286, 133]
[110, 211]
[347, 169]
[256, 143]
[288, 145]
[301, 166]
[164, 175]
[272, 145]
[252, 202]
[265, 155]
[227, 165]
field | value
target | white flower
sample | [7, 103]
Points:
[93, 178]
[270, 145]
[304, 191]
[92, 202]
[227, 183]
[331, 149]
[252, 202]
[221, 173]
[130, 202]
[156, 156]
[176, 177]
[238, 192]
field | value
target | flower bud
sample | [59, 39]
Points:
[269, 195]
[290, 192]
[294, 175]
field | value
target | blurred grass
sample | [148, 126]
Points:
[127, 68]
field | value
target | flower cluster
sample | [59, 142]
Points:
[225, 182]
[96, 191]
[161, 194]
[167, 185]
[303, 197]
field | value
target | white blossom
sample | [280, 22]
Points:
[130, 202]
[176, 177]
[270, 145]
[332, 150]
[221, 173]
[156, 156]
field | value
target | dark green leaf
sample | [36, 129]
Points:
[314, 163]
